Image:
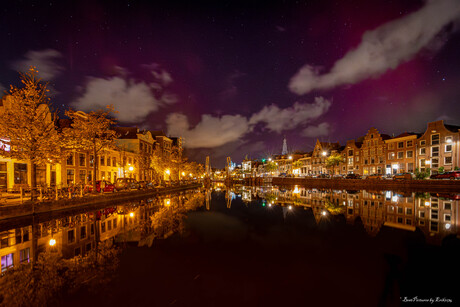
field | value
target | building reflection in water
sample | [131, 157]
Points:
[435, 214]
[78, 234]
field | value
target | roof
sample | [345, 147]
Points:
[157, 133]
[404, 134]
[452, 128]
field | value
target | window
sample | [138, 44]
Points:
[434, 139]
[108, 161]
[70, 159]
[7, 262]
[400, 154]
[400, 210]
[435, 162]
[92, 229]
[380, 159]
[409, 144]
[409, 154]
[20, 173]
[447, 160]
[350, 161]
[71, 236]
[391, 146]
[448, 148]
[102, 160]
[83, 232]
[434, 214]
[391, 155]
[410, 167]
[82, 176]
[422, 150]
[408, 211]
[447, 206]
[449, 139]
[114, 223]
[350, 152]
[102, 175]
[82, 159]
[421, 214]
[114, 161]
[435, 151]
[70, 176]
[24, 255]
[400, 144]
[447, 218]
[372, 160]
[422, 143]
[102, 227]
[109, 225]
[365, 161]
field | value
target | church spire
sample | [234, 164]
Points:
[285, 150]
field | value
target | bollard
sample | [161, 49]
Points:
[20, 191]
[57, 195]
[70, 193]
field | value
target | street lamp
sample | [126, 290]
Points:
[290, 158]
[324, 153]
[52, 242]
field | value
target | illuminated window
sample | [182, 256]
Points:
[7, 262]
[70, 176]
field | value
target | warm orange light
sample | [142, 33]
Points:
[52, 242]
[131, 214]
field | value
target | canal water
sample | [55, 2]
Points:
[239, 246]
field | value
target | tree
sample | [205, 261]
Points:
[27, 125]
[92, 132]
[422, 174]
[334, 160]
[271, 166]
[441, 170]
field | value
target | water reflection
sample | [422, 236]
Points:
[435, 214]
[74, 235]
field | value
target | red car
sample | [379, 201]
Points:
[106, 186]
[447, 175]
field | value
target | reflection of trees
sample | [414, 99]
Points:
[44, 283]
[170, 218]
[333, 208]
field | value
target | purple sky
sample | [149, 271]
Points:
[234, 77]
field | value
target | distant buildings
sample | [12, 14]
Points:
[376, 153]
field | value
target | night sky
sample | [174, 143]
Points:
[233, 78]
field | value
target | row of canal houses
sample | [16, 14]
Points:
[133, 155]
[374, 153]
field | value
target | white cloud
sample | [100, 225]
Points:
[210, 131]
[46, 62]
[277, 119]
[322, 129]
[384, 48]
[133, 100]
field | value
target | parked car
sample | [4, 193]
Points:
[374, 177]
[352, 176]
[104, 184]
[126, 184]
[338, 176]
[446, 175]
[402, 176]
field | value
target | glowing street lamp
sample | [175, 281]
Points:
[52, 242]
[324, 153]
[131, 214]
[290, 158]
[168, 171]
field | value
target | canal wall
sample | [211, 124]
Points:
[451, 186]
[86, 202]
